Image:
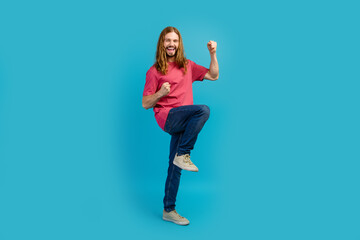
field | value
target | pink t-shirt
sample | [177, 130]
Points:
[180, 87]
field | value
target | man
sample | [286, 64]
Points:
[168, 89]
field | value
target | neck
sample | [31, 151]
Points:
[171, 59]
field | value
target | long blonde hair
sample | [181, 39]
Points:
[161, 59]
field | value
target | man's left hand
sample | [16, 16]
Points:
[212, 46]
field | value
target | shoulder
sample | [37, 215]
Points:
[152, 71]
[189, 62]
[193, 65]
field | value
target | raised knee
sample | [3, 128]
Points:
[205, 111]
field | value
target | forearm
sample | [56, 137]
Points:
[151, 100]
[214, 66]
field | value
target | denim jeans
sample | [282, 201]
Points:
[183, 124]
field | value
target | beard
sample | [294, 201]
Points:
[173, 55]
[167, 55]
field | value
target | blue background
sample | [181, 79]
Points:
[81, 159]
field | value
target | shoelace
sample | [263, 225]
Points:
[178, 215]
[187, 159]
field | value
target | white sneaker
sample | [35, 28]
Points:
[185, 163]
[174, 217]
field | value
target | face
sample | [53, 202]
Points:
[171, 44]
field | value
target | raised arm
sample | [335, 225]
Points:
[213, 73]
[151, 100]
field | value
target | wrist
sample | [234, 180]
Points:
[159, 95]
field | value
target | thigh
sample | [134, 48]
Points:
[178, 118]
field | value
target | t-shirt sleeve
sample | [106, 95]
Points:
[150, 84]
[198, 71]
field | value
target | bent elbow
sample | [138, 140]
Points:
[144, 106]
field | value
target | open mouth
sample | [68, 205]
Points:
[170, 49]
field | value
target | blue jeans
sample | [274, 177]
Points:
[183, 124]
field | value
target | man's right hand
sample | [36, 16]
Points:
[151, 100]
[165, 89]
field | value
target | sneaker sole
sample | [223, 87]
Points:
[187, 169]
[178, 223]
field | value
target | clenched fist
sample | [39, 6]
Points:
[212, 46]
[165, 89]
